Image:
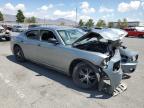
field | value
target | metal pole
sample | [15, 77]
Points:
[44, 20]
[76, 18]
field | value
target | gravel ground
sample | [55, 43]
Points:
[28, 85]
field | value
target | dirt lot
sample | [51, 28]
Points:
[29, 85]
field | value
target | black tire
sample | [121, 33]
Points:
[18, 53]
[84, 76]
[7, 38]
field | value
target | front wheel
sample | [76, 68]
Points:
[85, 76]
[18, 53]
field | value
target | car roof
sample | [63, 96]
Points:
[51, 27]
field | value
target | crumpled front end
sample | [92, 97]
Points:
[114, 73]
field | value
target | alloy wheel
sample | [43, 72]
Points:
[87, 76]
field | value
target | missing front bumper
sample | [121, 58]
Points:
[107, 88]
[114, 73]
[121, 88]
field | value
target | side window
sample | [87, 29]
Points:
[47, 36]
[33, 34]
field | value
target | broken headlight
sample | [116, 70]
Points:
[104, 63]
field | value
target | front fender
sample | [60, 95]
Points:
[115, 75]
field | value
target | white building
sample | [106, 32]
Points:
[131, 24]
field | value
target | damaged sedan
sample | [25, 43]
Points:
[87, 58]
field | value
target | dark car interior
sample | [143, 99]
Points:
[48, 36]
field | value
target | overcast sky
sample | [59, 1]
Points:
[109, 10]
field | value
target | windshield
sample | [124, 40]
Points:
[70, 35]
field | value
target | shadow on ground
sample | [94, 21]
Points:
[60, 78]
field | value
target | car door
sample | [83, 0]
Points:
[30, 44]
[49, 50]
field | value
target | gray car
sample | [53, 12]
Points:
[88, 58]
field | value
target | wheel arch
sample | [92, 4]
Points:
[78, 60]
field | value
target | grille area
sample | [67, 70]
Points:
[116, 66]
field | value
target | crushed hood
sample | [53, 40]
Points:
[107, 33]
[111, 33]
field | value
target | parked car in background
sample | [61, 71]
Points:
[139, 28]
[19, 28]
[1, 28]
[135, 32]
[129, 59]
[7, 27]
[85, 28]
[16, 28]
[5, 33]
[33, 25]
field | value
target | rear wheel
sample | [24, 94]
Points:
[18, 53]
[85, 76]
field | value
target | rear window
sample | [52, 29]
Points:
[33, 34]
